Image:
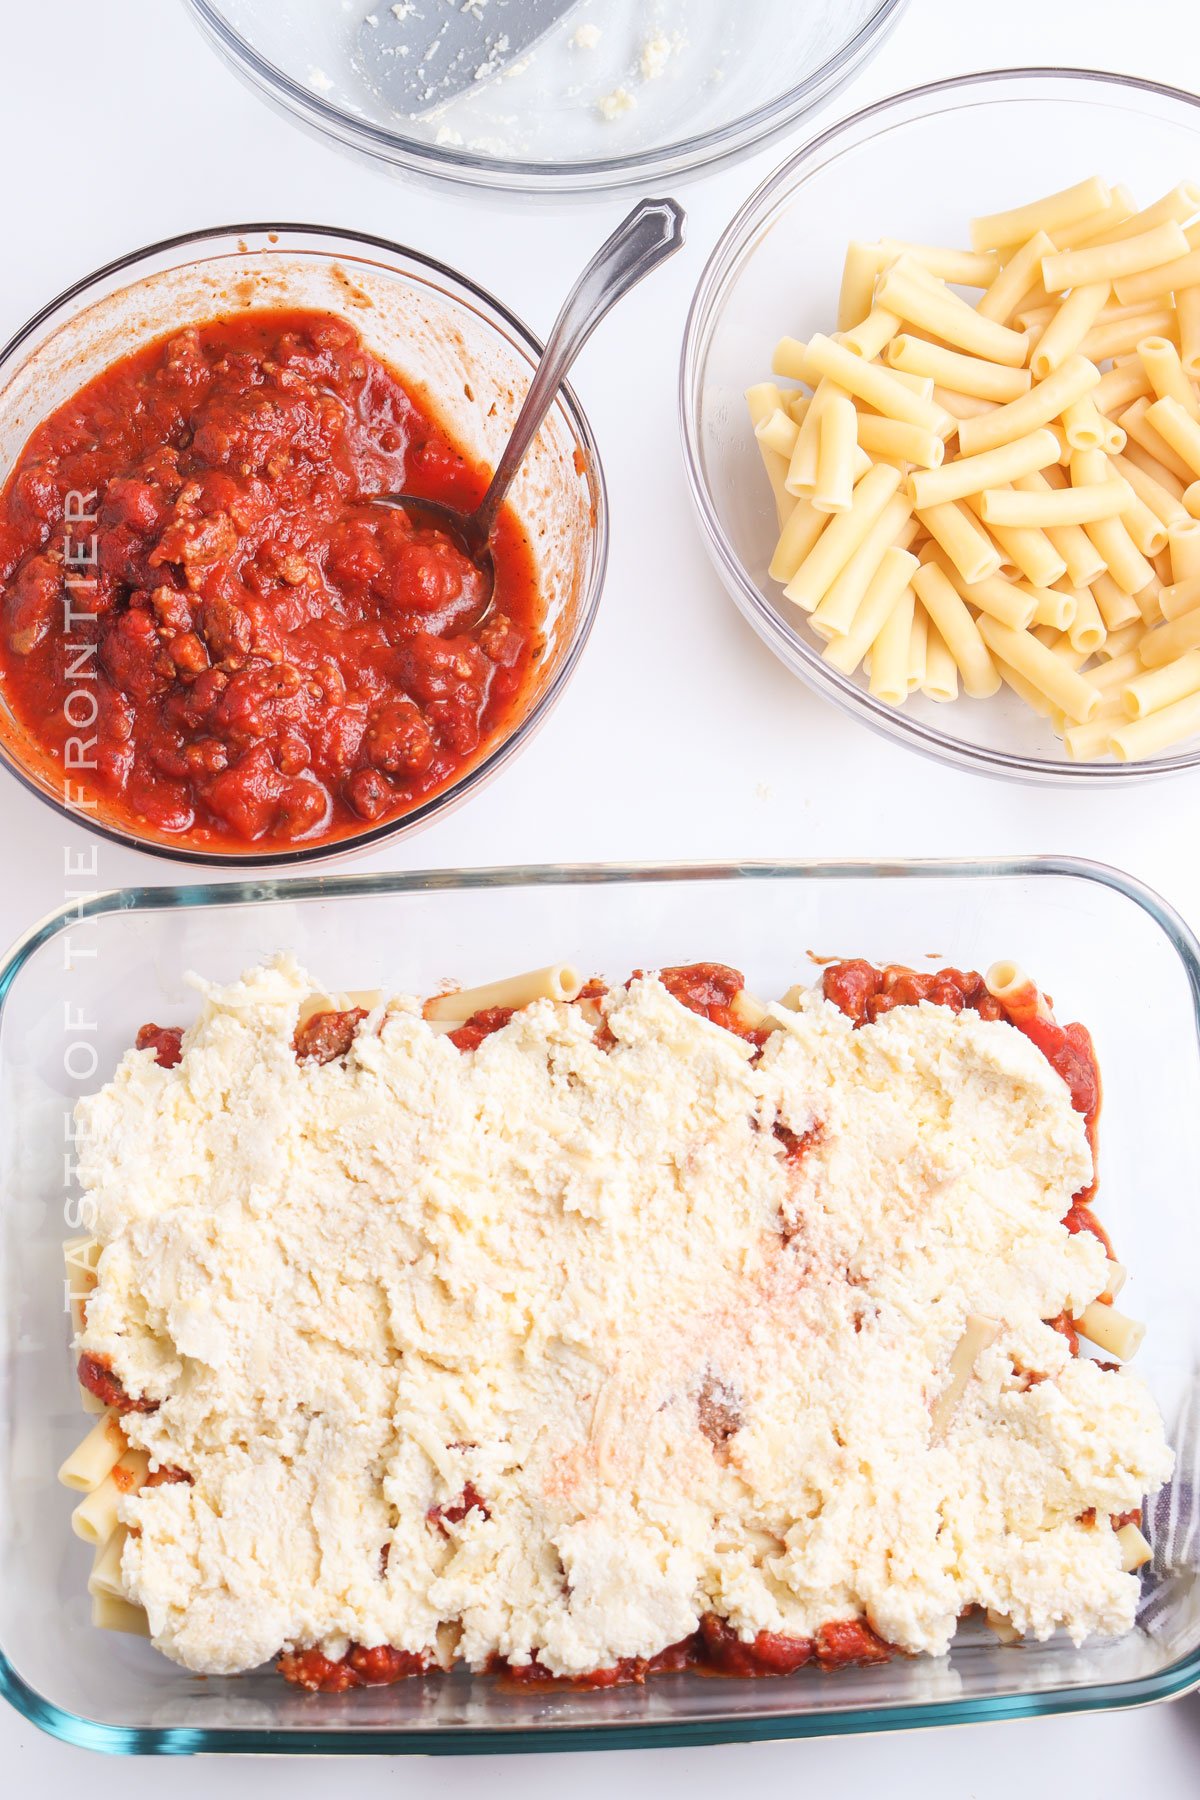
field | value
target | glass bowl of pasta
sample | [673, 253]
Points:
[940, 406]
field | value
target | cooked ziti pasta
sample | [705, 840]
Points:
[1002, 493]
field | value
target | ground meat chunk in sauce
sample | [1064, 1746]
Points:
[325, 1036]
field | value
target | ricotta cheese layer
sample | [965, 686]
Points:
[554, 1344]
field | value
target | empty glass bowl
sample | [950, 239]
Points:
[619, 92]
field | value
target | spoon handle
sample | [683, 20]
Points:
[653, 231]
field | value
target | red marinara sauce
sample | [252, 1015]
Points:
[192, 591]
[717, 1649]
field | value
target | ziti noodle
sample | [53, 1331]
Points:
[1005, 495]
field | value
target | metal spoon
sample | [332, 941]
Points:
[420, 54]
[653, 231]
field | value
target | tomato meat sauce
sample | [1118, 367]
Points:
[379, 1666]
[717, 1649]
[98, 1378]
[207, 631]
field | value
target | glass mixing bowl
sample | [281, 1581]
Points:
[448, 340]
[915, 167]
[620, 91]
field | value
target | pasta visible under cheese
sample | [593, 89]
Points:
[105, 1577]
[1135, 1550]
[1112, 1331]
[111, 1614]
[559, 981]
[979, 1334]
[96, 1456]
[96, 1517]
[1033, 467]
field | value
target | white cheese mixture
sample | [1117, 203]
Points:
[656, 51]
[611, 106]
[682, 1374]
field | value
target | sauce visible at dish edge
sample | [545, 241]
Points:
[251, 656]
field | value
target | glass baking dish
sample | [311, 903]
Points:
[73, 992]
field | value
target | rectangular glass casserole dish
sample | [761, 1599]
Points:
[75, 989]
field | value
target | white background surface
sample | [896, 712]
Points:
[139, 132]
